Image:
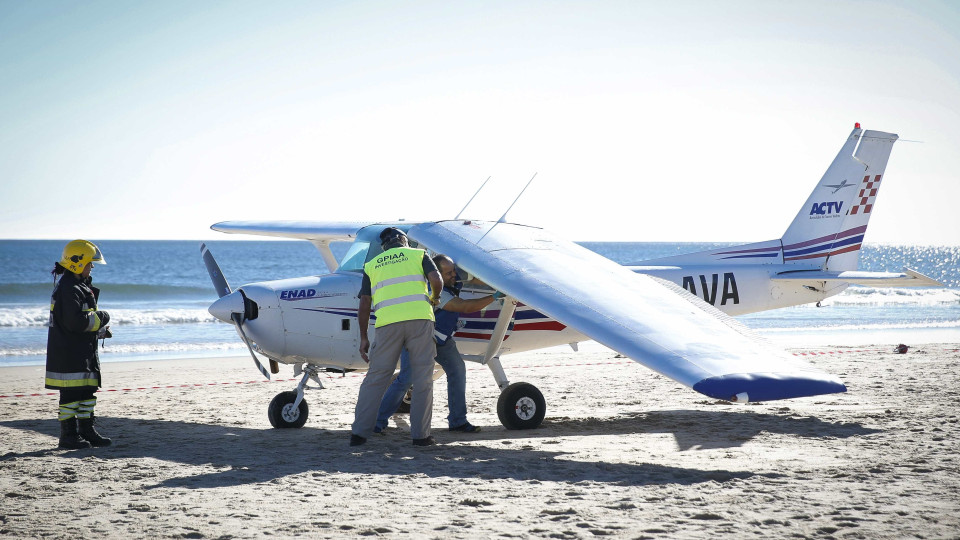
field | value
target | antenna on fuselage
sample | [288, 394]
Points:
[503, 218]
[472, 198]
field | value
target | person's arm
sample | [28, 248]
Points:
[433, 278]
[436, 285]
[363, 315]
[460, 305]
[72, 315]
[363, 320]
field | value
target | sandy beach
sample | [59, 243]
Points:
[623, 452]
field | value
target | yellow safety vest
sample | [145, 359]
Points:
[398, 286]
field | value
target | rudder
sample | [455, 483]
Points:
[829, 228]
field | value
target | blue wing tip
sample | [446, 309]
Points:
[767, 387]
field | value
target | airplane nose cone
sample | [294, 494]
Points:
[226, 306]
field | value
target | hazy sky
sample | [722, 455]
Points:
[644, 121]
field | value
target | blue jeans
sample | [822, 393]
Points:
[456, 371]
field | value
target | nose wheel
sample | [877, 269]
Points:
[285, 412]
[521, 406]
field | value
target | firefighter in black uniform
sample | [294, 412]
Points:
[73, 365]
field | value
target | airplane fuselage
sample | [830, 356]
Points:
[740, 289]
[314, 319]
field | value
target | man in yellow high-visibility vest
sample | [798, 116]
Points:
[395, 287]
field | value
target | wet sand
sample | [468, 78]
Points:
[623, 452]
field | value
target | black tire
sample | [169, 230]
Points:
[285, 400]
[521, 406]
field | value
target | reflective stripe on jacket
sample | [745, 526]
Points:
[398, 286]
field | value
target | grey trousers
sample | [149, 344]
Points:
[388, 341]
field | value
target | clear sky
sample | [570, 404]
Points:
[644, 121]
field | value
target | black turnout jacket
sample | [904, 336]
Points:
[72, 359]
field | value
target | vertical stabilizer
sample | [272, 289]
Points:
[829, 228]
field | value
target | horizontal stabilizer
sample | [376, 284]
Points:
[907, 278]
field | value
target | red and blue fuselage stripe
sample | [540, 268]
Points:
[834, 244]
[525, 319]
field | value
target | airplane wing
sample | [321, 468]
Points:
[302, 230]
[907, 278]
[654, 322]
[319, 233]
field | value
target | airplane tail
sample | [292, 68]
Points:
[829, 228]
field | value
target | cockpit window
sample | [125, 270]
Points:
[366, 247]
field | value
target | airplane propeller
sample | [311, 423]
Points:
[232, 305]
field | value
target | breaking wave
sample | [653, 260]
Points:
[128, 292]
[38, 316]
[869, 326]
[138, 348]
[855, 296]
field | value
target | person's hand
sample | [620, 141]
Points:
[434, 301]
[364, 348]
[104, 333]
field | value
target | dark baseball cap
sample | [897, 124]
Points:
[391, 233]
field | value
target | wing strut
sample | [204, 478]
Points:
[503, 218]
[471, 198]
[491, 358]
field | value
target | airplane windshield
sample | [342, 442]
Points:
[364, 248]
[355, 257]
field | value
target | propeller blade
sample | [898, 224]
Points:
[238, 321]
[216, 276]
[220, 309]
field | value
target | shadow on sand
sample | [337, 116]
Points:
[244, 456]
[698, 429]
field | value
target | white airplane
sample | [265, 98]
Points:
[669, 314]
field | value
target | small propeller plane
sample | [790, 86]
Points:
[671, 314]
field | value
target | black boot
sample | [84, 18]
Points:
[69, 438]
[90, 434]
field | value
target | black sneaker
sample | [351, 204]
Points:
[356, 440]
[465, 428]
[379, 431]
[426, 441]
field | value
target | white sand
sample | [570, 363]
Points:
[623, 452]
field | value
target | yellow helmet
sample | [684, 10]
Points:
[78, 253]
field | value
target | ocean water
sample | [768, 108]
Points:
[157, 293]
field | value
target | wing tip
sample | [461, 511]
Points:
[745, 387]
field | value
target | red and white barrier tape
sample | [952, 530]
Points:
[360, 374]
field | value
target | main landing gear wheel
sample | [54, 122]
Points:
[282, 413]
[521, 406]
